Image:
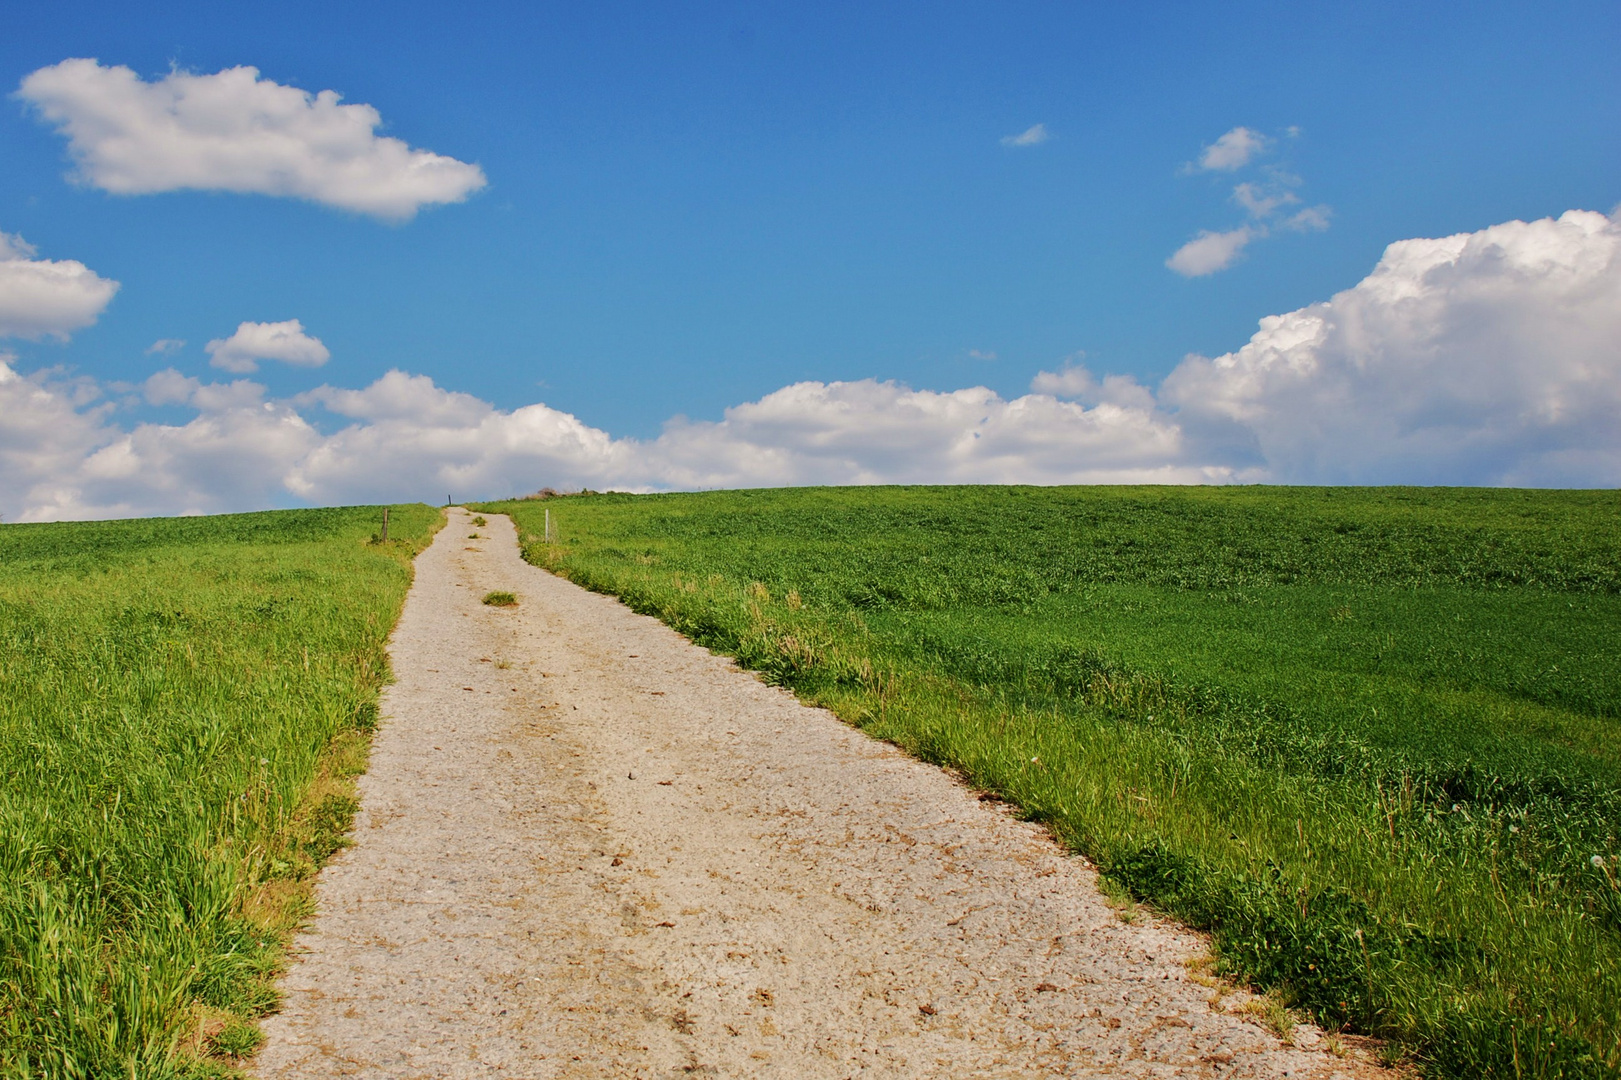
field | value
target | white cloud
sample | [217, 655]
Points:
[411, 439]
[63, 460]
[235, 131]
[46, 297]
[1077, 383]
[421, 438]
[1233, 150]
[417, 440]
[1211, 251]
[165, 346]
[45, 437]
[1034, 135]
[169, 387]
[1491, 357]
[880, 432]
[255, 341]
[1483, 358]
[1263, 201]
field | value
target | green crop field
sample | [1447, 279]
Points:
[1367, 737]
[182, 702]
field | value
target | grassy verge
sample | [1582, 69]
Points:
[1366, 737]
[185, 702]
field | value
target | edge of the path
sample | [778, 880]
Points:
[321, 826]
[776, 659]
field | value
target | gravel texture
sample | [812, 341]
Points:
[589, 848]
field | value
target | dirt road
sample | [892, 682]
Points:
[589, 848]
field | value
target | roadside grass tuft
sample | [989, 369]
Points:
[1272, 1012]
[186, 703]
[236, 1040]
[1365, 737]
[500, 599]
[1119, 898]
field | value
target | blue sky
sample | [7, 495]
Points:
[689, 208]
[694, 205]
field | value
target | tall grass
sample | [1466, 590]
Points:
[1366, 737]
[178, 696]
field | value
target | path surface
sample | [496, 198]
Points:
[590, 848]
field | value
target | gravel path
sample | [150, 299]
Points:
[589, 848]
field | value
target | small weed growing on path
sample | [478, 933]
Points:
[1200, 970]
[500, 599]
[479, 523]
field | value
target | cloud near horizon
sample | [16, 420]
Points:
[1483, 358]
[236, 131]
[1491, 357]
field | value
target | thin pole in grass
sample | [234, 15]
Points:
[385, 524]
[548, 525]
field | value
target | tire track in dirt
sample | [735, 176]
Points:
[589, 848]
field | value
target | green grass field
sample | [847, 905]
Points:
[1367, 737]
[182, 702]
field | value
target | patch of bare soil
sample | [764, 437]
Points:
[589, 848]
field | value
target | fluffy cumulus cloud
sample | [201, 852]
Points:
[65, 457]
[1491, 357]
[407, 438]
[48, 429]
[47, 297]
[1075, 382]
[236, 131]
[870, 432]
[413, 439]
[255, 341]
